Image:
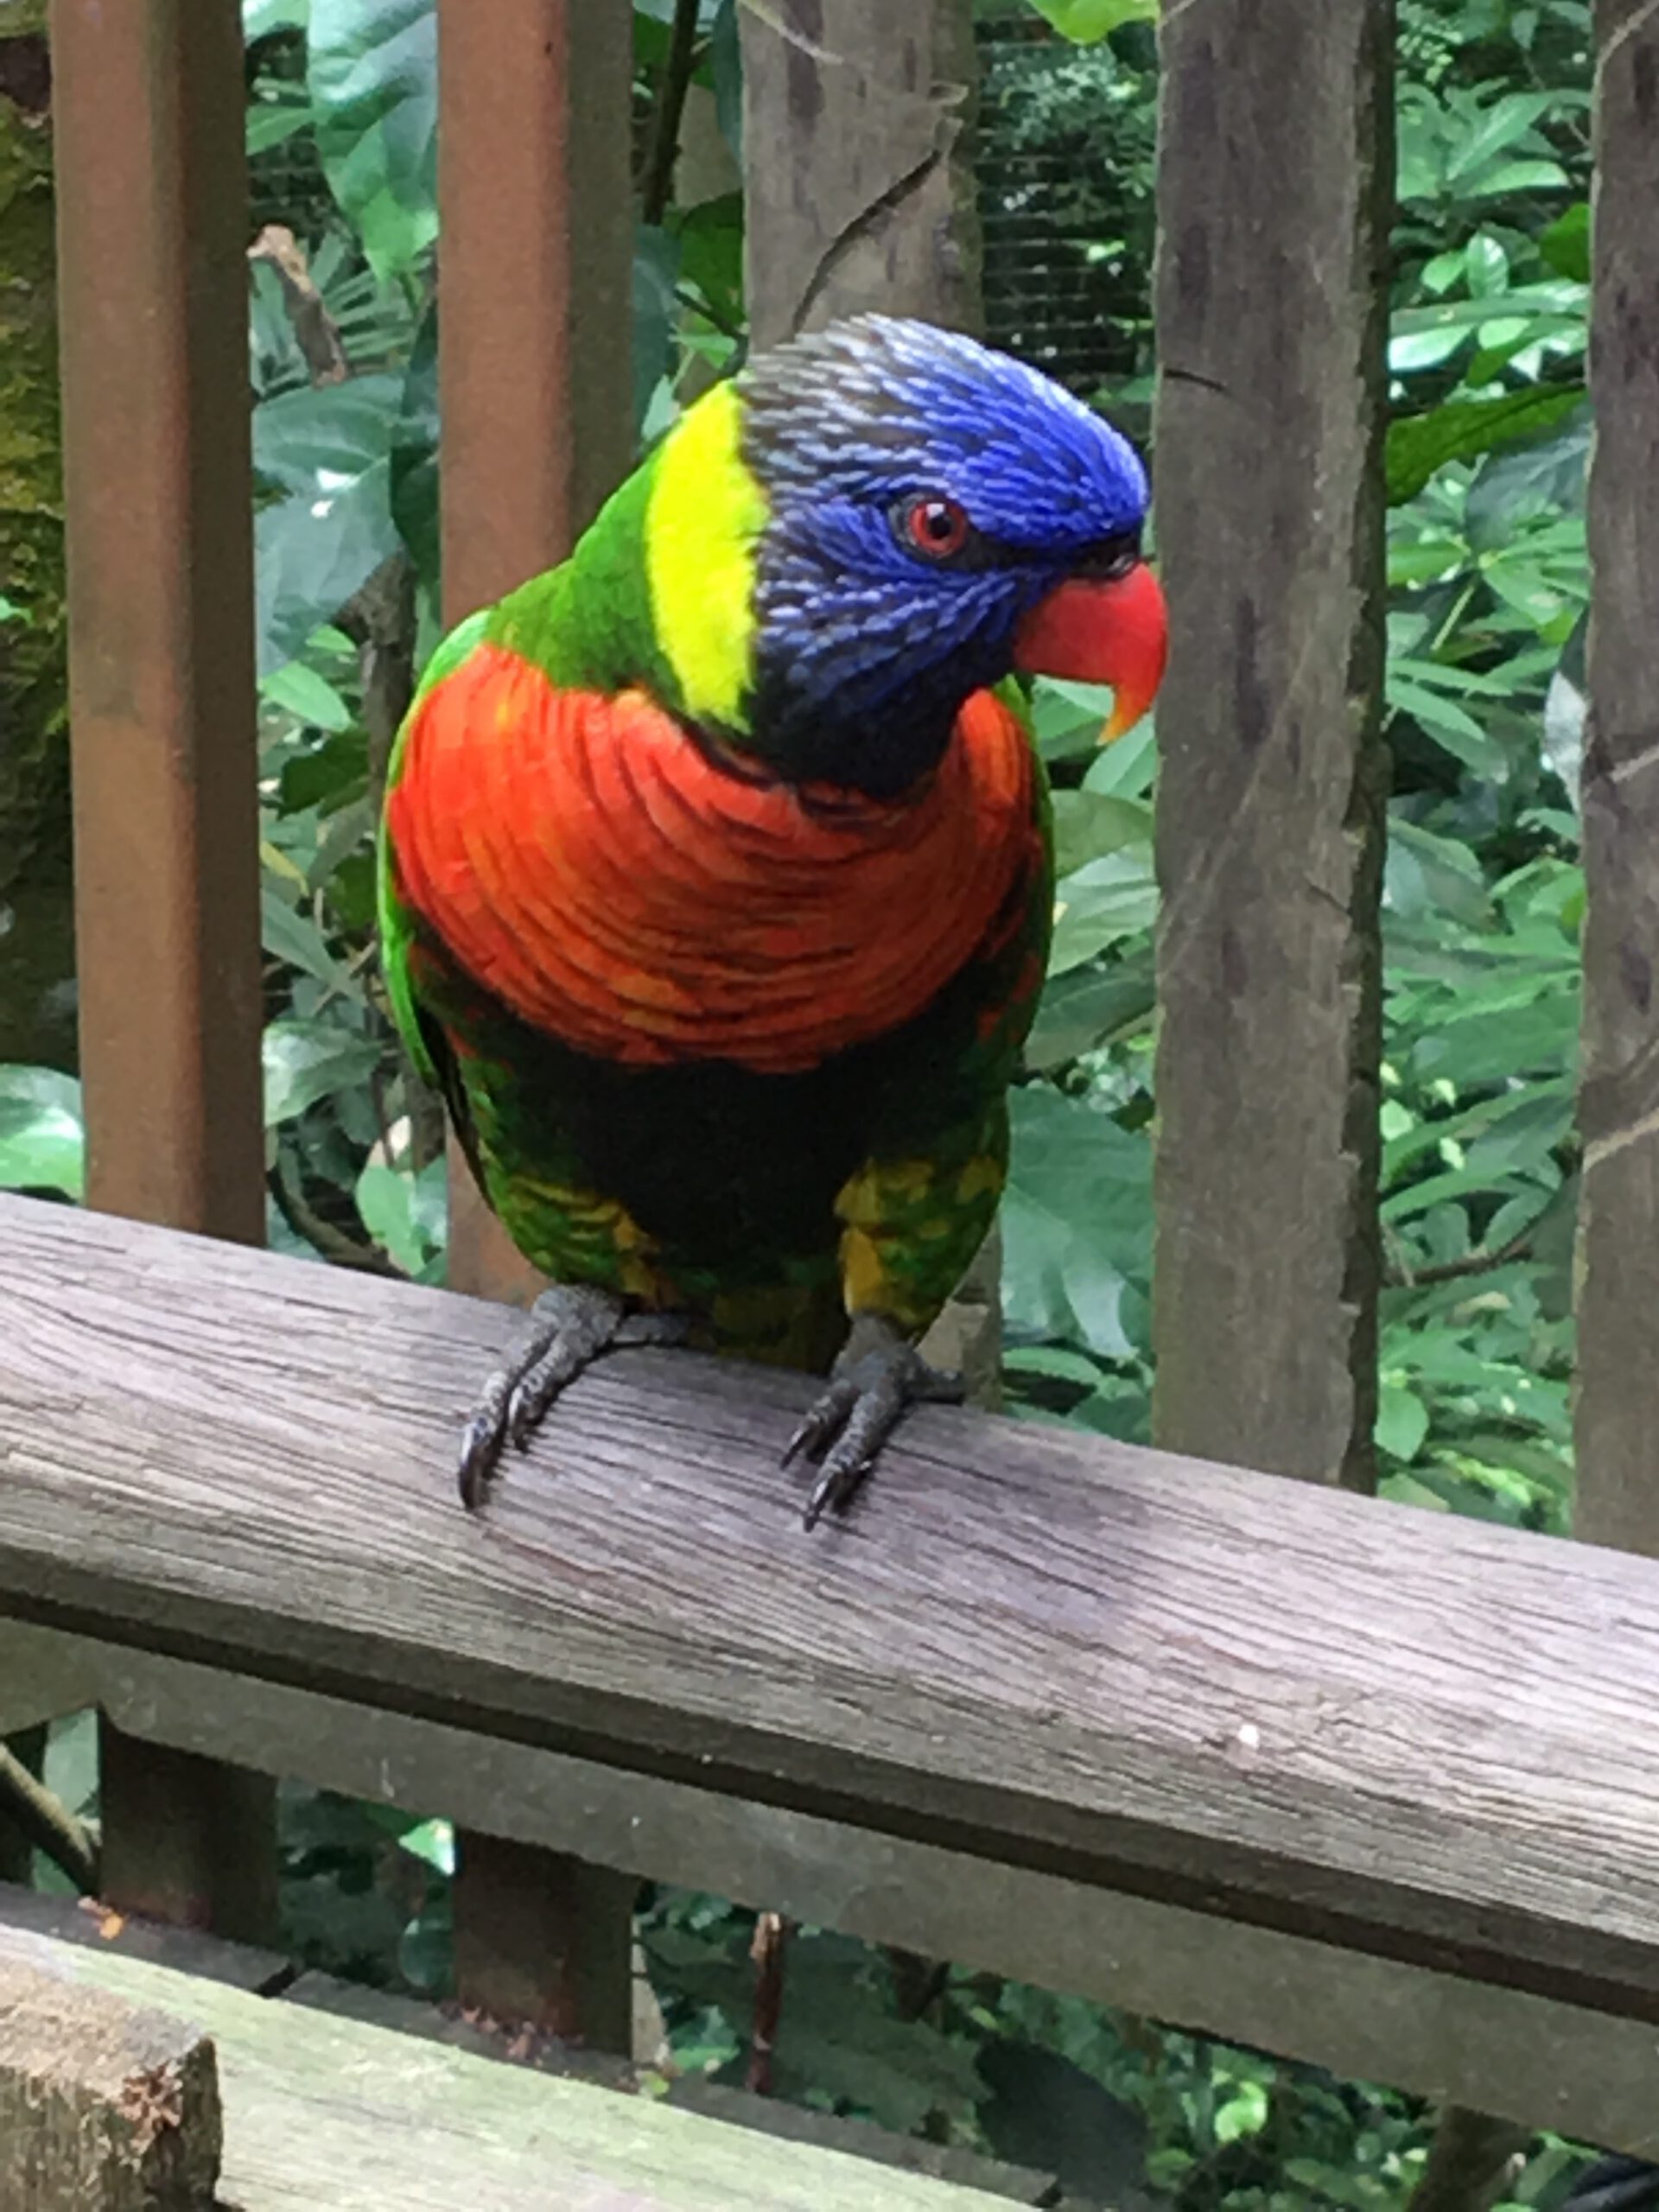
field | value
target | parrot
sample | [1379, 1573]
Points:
[715, 869]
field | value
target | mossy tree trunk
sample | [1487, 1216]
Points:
[36, 929]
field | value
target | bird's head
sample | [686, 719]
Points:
[878, 519]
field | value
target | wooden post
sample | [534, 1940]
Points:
[105, 2106]
[148, 111]
[857, 116]
[1618, 1099]
[1274, 201]
[535, 342]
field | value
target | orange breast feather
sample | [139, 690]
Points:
[583, 859]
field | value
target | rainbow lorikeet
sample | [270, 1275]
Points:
[715, 875]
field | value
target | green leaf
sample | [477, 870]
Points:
[1047, 2113]
[308, 1061]
[41, 1139]
[656, 310]
[295, 938]
[261, 18]
[1544, 477]
[1445, 721]
[372, 76]
[274, 119]
[1504, 124]
[1089, 824]
[1085, 1006]
[1565, 245]
[1077, 1221]
[1086, 22]
[1401, 1423]
[414, 455]
[1463, 430]
[1100, 905]
[383, 1205]
[309, 697]
[327, 450]
[433, 1841]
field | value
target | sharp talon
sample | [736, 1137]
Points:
[829, 1413]
[570, 1327]
[835, 1490]
[877, 1376]
[480, 1447]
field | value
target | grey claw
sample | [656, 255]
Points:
[877, 1376]
[838, 1484]
[826, 1414]
[570, 1326]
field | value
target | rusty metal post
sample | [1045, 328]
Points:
[535, 369]
[148, 111]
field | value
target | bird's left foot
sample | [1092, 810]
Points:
[879, 1375]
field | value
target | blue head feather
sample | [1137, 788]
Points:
[866, 648]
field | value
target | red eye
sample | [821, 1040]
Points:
[936, 527]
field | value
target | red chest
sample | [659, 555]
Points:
[584, 859]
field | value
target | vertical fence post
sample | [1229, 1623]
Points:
[148, 111]
[859, 192]
[535, 310]
[1617, 1417]
[1275, 203]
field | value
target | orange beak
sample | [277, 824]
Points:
[1112, 630]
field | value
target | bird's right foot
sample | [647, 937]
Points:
[570, 1327]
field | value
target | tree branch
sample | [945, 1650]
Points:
[659, 179]
[47, 1822]
[1401, 1277]
[315, 332]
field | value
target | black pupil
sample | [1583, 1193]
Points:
[938, 521]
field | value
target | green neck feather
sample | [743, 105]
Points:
[660, 591]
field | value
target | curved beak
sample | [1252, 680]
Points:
[1105, 630]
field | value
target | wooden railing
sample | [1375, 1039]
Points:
[1071, 1710]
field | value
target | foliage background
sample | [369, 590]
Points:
[1483, 906]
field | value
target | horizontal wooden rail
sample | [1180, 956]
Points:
[1427, 1740]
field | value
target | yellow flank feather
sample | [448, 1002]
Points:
[706, 513]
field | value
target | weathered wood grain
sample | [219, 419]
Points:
[860, 194]
[1536, 2059]
[147, 115]
[537, 387]
[1427, 1737]
[1274, 202]
[327, 2114]
[1618, 1497]
[742, 2108]
[158, 1942]
[105, 2104]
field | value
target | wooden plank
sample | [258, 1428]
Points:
[538, 385]
[148, 114]
[1427, 1739]
[335, 2115]
[189, 1839]
[720, 2100]
[1617, 1499]
[1271, 298]
[1589, 2074]
[859, 192]
[90, 1922]
[105, 2104]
